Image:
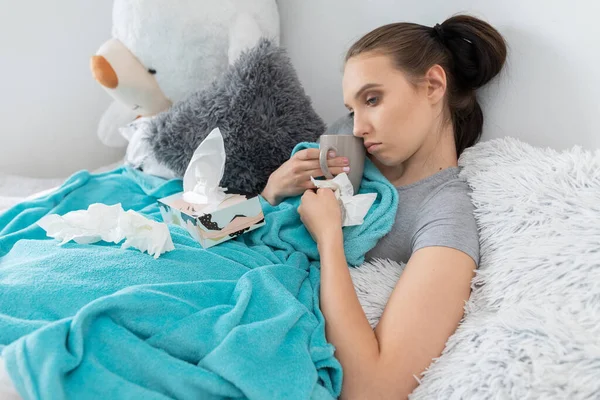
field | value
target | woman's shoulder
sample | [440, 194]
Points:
[446, 218]
[443, 193]
[452, 193]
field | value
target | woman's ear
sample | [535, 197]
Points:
[436, 83]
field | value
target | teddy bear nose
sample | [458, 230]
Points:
[103, 72]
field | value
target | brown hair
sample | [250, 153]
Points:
[470, 50]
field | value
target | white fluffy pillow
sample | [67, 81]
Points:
[532, 324]
[374, 282]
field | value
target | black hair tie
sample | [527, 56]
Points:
[438, 32]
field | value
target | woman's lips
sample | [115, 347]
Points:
[372, 146]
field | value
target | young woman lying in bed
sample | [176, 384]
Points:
[411, 92]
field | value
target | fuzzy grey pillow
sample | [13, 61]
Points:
[261, 109]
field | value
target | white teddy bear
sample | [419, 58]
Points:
[163, 50]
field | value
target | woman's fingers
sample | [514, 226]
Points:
[308, 185]
[311, 157]
[338, 170]
[306, 165]
[338, 162]
[307, 155]
[317, 173]
[335, 164]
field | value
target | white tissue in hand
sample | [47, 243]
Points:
[354, 208]
[205, 171]
[110, 224]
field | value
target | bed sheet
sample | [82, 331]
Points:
[7, 390]
[15, 189]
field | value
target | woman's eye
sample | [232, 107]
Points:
[152, 71]
[371, 101]
[351, 114]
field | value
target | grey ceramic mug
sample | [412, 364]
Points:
[348, 146]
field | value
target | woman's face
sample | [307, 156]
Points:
[391, 114]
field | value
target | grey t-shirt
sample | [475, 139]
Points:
[435, 211]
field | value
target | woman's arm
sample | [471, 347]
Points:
[347, 327]
[421, 314]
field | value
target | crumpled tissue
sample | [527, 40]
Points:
[110, 224]
[204, 173]
[354, 207]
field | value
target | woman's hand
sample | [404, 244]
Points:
[321, 214]
[293, 177]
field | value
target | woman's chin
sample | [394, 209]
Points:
[381, 158]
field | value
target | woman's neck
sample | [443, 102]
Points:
[436, 153]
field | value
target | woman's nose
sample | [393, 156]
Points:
[360, 126]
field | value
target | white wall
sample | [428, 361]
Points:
[548, 95]
[49, 103]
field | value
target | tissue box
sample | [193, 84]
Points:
[209, 224]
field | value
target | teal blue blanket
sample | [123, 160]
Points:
[239, 320]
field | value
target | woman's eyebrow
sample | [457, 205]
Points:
[366, 86]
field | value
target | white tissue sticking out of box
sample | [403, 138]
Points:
[354, 207]
[110, 224]
[204, 173]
